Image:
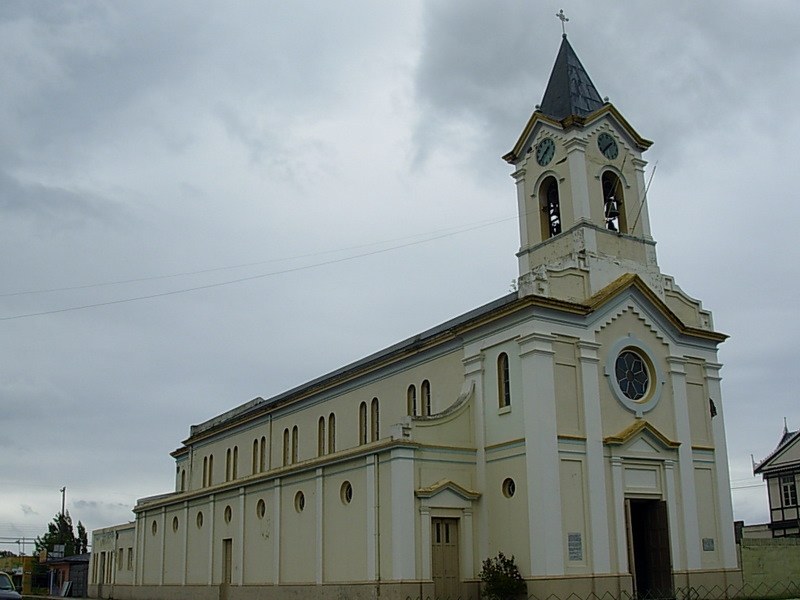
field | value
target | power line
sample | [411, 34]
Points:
[439, 233]
[244, 279]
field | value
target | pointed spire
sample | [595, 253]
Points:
[569, 91]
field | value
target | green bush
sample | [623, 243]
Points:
[501, 579]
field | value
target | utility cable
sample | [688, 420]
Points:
[244, 279]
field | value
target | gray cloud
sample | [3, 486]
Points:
[145, 142]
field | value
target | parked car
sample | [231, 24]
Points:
[7, 590]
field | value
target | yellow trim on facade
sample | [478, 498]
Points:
[294, 468]
[444, 484]
[574, 121]
[629, 433]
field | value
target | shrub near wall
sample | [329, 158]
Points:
[770, 562]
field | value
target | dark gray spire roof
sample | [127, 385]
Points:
[569, 91]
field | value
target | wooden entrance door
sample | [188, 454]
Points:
[444, 557]
[648, 548]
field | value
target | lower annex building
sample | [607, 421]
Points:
[576, 423]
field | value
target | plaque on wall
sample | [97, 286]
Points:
[575, 546]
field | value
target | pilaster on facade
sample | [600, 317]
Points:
[474, 371]
[688, 499]
[579, 181]
[595, 461]
[467, 558]
[541, 454]
[139, 541]
[240, 534]
[641, 202]
[211, 510]
[522, 201]
[319, 481]
[618, 502]
[401, 465]
[425, 541]
[673, 516]
[185, 549]
[162, 545]
[725, 513]
[372, 521]
[276, 541]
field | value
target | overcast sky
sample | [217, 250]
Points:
[240, 196]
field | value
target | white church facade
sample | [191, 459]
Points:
[576, 423]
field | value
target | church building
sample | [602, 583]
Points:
[575, 423]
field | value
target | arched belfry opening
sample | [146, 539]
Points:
[551, 208]
[613, 203]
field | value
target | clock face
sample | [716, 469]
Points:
[545, 151]
[607, 146]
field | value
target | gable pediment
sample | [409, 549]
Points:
[447, 487]
[632, 282]
[642, 437]
[784, 456]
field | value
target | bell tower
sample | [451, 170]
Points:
[580, 191]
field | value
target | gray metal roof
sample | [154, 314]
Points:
[258, 404]
[569, 91]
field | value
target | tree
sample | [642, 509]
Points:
[501, 579]
[60, 532]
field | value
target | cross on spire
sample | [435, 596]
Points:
[560, 14]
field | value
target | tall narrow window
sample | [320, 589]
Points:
[262, 459]
[235, 472]
[788, 490]
[255, 456]
[425, 390]
[183, 480]
[551, 208]
[321, 436]
[375, 419]
[331, 433]
[285, 446]
[205, 471]
[613, 212]
[294, 444]
[503, 381]
[362, 423]
[411, 398]
[210, 469]
[228, 465]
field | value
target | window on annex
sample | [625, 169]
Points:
[228, 464]
[205, 471]
[285, 446]
[254, 468]
[362, 423]
[119, 560]
[551, 208]
[612, 203]
[130, 558]
[235, 472]
[331, 433]
[262, 459]
[788, 490]
[503, 381]
[425, 391]
[294, 444]
[321, 436]
[375, 420]
[210, 469]
[411, 400]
